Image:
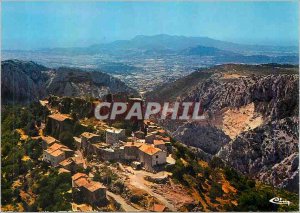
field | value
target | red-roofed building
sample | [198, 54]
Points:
[160, 144]
[131, 150]
[88, 191]
[68, 164]
[157, 208]
[56, 153]
[58, 123]
[47, 141]
[151, 156]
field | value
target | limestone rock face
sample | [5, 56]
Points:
[23, 81]
[252, 120]
[208, 138]
[77, 83]
[273, 95]
[268, 153]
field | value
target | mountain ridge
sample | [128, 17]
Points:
[26, 81]
[175, 42]
[251, 118]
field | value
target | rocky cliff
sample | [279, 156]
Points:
[252, 119]
[268, 153]
[23, 81]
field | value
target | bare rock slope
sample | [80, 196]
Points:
[252, 118]
[23, 81]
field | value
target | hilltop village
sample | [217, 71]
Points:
[147, 149]
[60, 157]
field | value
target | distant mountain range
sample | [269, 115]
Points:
[167, 44]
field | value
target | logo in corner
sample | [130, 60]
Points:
[280, 201]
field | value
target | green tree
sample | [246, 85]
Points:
[67, 139]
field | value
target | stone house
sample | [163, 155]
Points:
[131, 150]
[87, 139]
[77, 142]
[106, 152]
[90, 137]
[97, 147]
[150, 137]
[114, 135]
[68, 164]
[139, 134]
[72, 164]
[56, 153]
[151, 156]
[58, 123]
[47, 141]
[160, 144]
[79, 162]
[87, 191]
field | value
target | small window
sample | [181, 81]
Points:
[156, 156]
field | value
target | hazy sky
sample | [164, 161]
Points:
[31, 25]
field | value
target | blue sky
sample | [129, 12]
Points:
[31, 25]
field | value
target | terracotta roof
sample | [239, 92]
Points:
[93, 186]
[136, 144]
[78, 160]
[48, 139]
[78, 175]
[89, 135]
[84, 208]
[77, 139]
[166, 139]
[66, 162]
[82, 181]
[54, 147]
[161, 131]
[149, 149]
[57, 146]
[63, 170]
[158, 208]
[57, 153]
[158, 142]
[59, 117]
[100, 145]
[66, 149]
[57, 149]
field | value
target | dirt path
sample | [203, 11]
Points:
[126, 207]
[138, 181]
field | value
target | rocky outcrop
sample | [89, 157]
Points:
[261, 104]
[23, 81]
[268, 153]
[208, 138]
[275, 96]
[77, 83]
